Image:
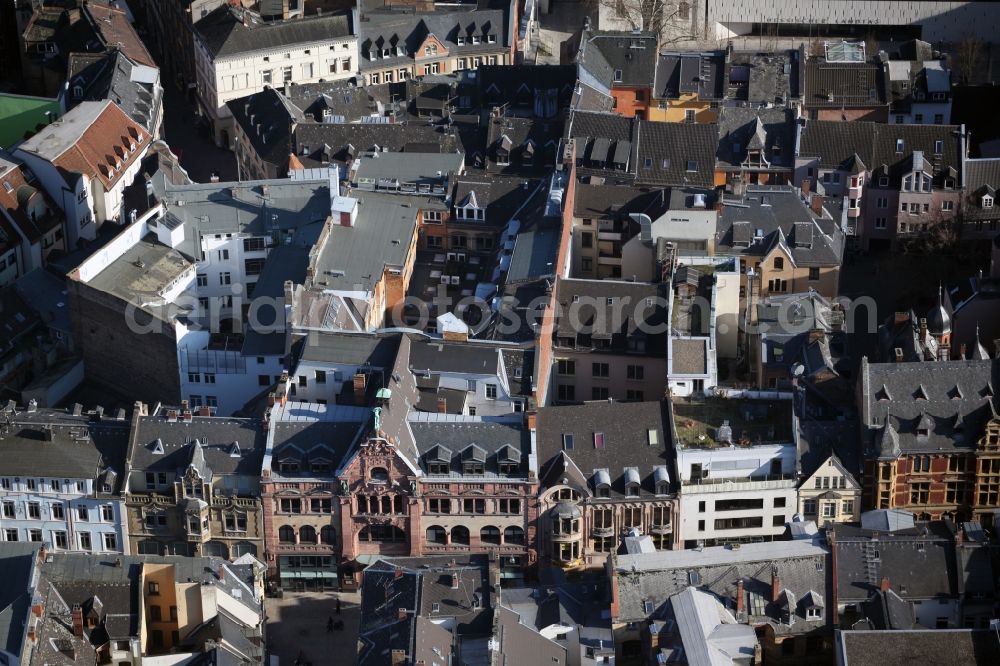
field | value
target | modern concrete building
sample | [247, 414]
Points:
[736, 463]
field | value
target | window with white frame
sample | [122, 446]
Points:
[987, 201]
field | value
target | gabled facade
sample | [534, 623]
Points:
[899, 180]
[606, 469]
[395, 47]
[931, 439]
[194, 484]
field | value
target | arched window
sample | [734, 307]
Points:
[286, 534]
[328, 535]
[379, 475]
[490, 535]
[460, 535]
[307, 534]
[513, 535]
[436, 535]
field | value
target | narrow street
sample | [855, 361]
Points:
[190, 139]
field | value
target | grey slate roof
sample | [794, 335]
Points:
[267, 118]
[907, 409]
[502, 196]
[17, 561]
[775, 212]
[625, 426]
[116, 77]
[81, 447]
[677, 153]
[683, 73]
[606, 202]
[448, 437]
[981, 176]
[612, 309]
[318, 144]
[800, 569]
[376, 350]
[531, 143]
[304, 438]
[739, 130]
[408, 31]
[355, 257]
[594, 135]
[838, 144]
[388, 586]
[619, 59]
[534, 88]
[215, 453]
[224, 34]
[968, 647]
[838, 85]
[919, 562]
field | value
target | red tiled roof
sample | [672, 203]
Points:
[15, 197]
[112, 25]
[106, 148]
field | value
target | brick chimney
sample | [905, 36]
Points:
[959, 535]
[171, 415]
[204, 411]
[884, 585]
[398, 573]
[816, 204]
[899, 354]
[398, 657]
[401, 614]
[739, 596]
[961, 351]
[923, 326]
[77, 620]
[775, 585]
[455, 579]
[360, 389]
[442, 406]
[806, 186]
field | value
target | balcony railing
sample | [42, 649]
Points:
[770, 482]
[604, 531]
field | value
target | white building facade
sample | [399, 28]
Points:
[255, 54]
[736, 494]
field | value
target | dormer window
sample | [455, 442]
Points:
[77, 92]
[814, 613]
[461, 40]
[899, 146]
[883, 181]
[604, 490]
[288, 466]
[373, 54]
[476, 39]
[987, 201]
[491, 39]
[320, 466]
[618, 76]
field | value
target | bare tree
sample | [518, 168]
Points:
[672, 21]
[967, 54]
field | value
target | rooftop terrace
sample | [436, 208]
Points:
[701, 423]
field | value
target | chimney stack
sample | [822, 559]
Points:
[884, 585]
[360, 389]
[923, 327]
[442, 406]
[204, 411]
[401, 615]
[77, 620]
[775, 585]
[739, 596]
[899, 354]
[816, 203]
[961, 351]
[171, 415]
[454, 581]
